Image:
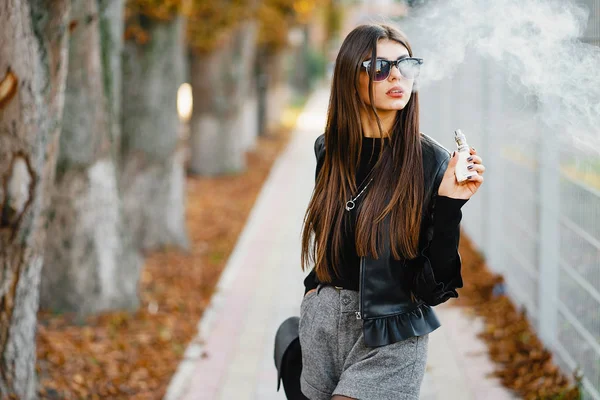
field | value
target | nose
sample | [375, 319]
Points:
[395, 72]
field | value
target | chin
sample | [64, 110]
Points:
[394, 107]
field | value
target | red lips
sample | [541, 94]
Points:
[395, 91]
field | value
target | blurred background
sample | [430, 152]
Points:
[109, 109]
[520, 89]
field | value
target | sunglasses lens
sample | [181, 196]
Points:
[382, 70]
[409, 68]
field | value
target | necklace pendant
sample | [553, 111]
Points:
[349, 205]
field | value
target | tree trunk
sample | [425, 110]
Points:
[33, 65]
[90, 263]
[222, 126]
[152, 179]
[272, 90]
[248, 115]
[278, 94]
[111, 40]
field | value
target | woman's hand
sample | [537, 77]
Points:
[464, 190]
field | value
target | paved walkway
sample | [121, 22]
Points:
[232, 356]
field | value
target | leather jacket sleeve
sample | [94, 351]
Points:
[436, 271]
[319, 147]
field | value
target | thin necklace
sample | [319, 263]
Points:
[351, 203]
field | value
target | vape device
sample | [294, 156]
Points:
[461, 170]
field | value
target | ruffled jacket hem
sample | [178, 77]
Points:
[384, 330]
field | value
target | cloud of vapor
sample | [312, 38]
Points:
[535, 42]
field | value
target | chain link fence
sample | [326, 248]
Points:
[537, 217]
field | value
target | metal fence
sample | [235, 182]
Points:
[537, 217]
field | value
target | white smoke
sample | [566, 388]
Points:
[535, 42]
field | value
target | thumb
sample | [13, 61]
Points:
[453, 159]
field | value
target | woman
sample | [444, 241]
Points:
[382, 228]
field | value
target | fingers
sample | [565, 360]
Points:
[480, 168]
[475, 178]
[472, 150]
[475, 159]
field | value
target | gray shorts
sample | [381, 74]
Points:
[335, 359]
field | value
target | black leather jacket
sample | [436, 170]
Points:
[388, 310]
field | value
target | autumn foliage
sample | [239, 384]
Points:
[139, 13]
[120, 355]
[524, 365]
[208, 22]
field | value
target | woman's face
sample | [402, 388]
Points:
[394, 92]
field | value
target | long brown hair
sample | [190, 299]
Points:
[397, 188]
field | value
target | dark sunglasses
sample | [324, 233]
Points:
[409, 67]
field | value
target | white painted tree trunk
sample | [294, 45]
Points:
[33, 65]
[152, 175]
[245, 57]
[90, 263]
[278, 93]
[248, 122]
[221, 130]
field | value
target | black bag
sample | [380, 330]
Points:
[288, 358]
